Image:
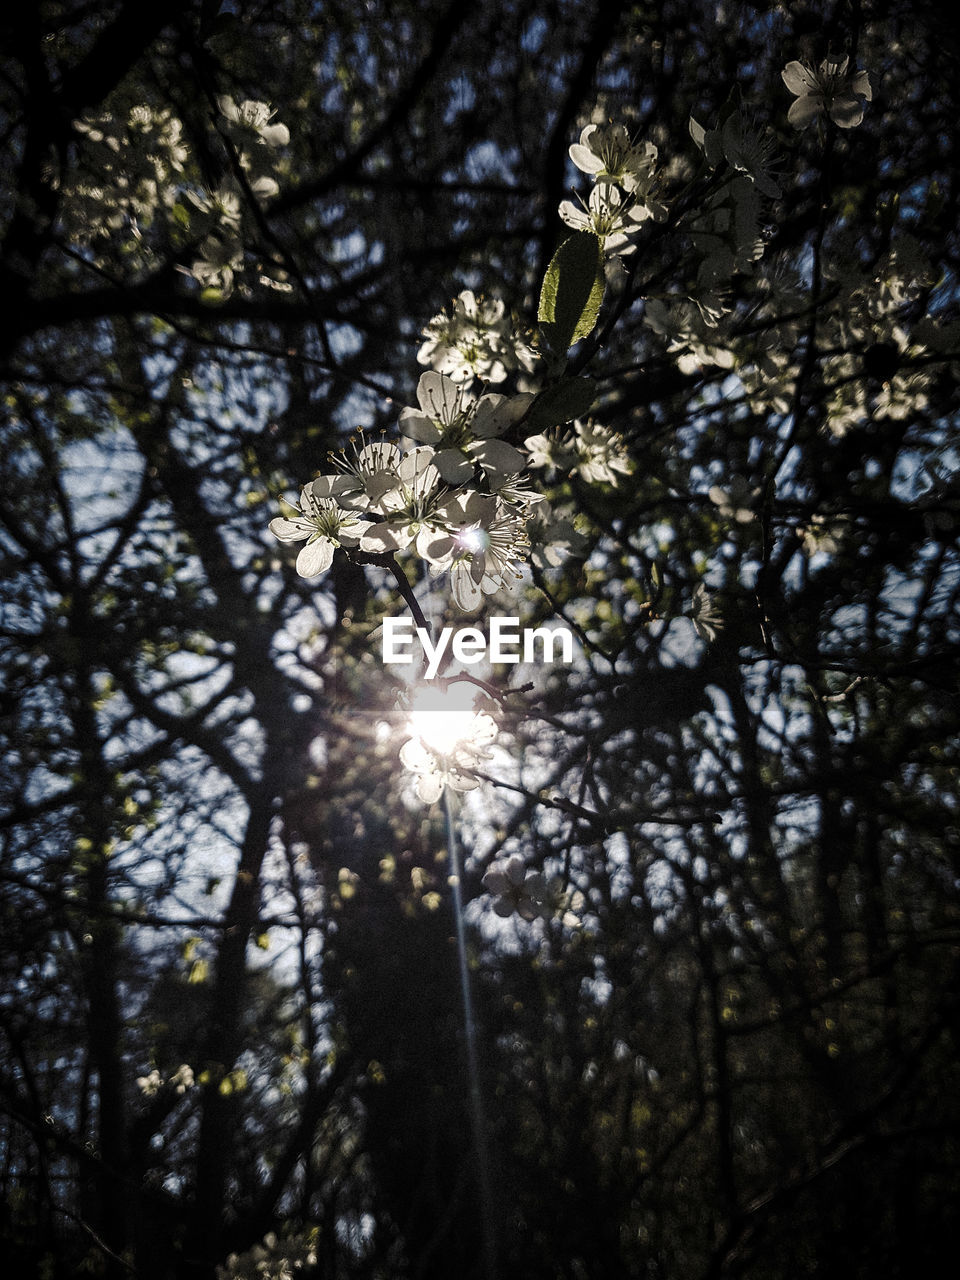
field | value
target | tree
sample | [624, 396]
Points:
[711, 863]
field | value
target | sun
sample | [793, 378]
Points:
[443, 717]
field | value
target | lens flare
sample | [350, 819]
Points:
[474, 540]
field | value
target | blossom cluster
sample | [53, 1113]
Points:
[253, 140]
[136, 189]
[726, 235]
[874, 354]
[475, 340]
[726, 230]
[516, 890]
[692, 327]
[181, 1080]
[874, 366]
[451, 492]
[277, 1258]
[594, 452]
[133, 167]
[623, 196]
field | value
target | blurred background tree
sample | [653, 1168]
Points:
[229, 1006]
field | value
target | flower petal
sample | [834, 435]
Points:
[535, 886]
[275, 135]
[585, 159]
[465, 591]
[417, 470]
[385, 537]
[416, 426]
[798, 78]
[330, 486]
[435, 547]
[804, 110]
[454, 466]
[495, 413]
[462, 781]
[290, 530]
[516, 869]
[316, 557]
[833, 68]
[497, 455]
[415, 756]
[574, 217]
[429, 787]
[440, 397]
[846, 111]
[351, 532]
[860, 85]
[496, 881]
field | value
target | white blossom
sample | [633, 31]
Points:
[609, 215]
[606, 152]
[600, 453]
[694, 341]
[552, 449]
[414, 510]
[134, 175]
[149, 1085]
[828, 89]
[489, 549]
[221, 258]
[735, 502]
[704, 615]
[474, 341]
[222, 208]
[553, 537]
[182, 1079]
[747, 149]
[321, 523]
[131, 171]
[369, 472]
[249, 122]
[463, 430]
[823, 534]
[517, 890]
[275, 1259]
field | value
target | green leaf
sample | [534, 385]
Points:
[565, 400]
[572, 291]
